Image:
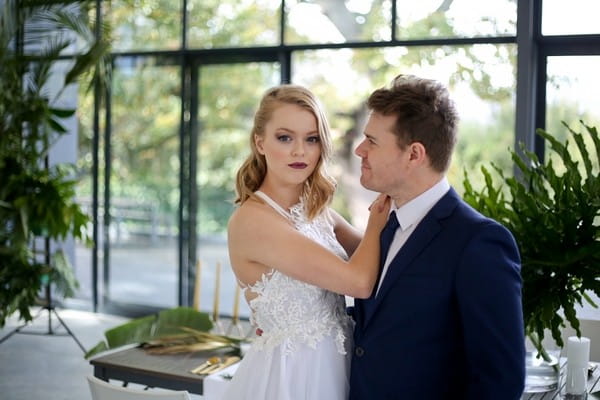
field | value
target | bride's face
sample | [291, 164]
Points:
[290, 144]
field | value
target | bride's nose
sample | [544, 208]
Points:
[298, 149]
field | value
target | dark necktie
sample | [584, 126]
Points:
[385, 240]
[387, 235]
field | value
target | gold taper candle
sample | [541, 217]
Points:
[236, 304]
[217, 289]
[197, 287]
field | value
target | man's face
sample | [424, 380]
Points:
[384, 165]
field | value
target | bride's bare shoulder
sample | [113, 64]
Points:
[250, 214]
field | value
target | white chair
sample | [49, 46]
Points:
[102, 390]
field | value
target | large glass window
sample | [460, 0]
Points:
[481, 79]
[233, 23]
[575, 17]
[572, 92]
[229, 96]
[146, 24]
[144, 182]
[323, 21]
[455, 18]
[329, 46]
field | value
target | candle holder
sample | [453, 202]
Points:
[217, 325]
[235, 320]
[197, 286]
[573, 383]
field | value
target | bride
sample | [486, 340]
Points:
[289, 252]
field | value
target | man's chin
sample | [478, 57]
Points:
[365, 183]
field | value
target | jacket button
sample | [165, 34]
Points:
[359, 351]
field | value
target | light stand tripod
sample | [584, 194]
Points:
[51, 309]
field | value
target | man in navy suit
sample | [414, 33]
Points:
[445, 318]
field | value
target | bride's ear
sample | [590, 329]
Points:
[258, 142]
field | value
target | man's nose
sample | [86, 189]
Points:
[359, 151]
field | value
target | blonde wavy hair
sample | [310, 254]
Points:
[319, 187]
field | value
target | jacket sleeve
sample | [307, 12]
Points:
[488, 290]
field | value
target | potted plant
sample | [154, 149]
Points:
[553, 211]
[36, 199]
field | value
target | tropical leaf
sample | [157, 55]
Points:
[180, 324]
[190, 341]
[62, 274]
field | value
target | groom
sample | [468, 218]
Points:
[445, 318]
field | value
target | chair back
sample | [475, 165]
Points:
[102, 390]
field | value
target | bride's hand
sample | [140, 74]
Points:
[379, 211]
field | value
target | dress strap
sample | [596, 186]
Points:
[273, 204]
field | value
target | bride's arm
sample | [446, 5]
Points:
[257, 236]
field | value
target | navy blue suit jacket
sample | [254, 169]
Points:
[447, 322]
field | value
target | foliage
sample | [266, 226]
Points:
[37, 200]
[180, 329]
[553, 211]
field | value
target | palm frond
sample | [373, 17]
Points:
[191, 341]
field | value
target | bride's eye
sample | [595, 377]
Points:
[284, 138]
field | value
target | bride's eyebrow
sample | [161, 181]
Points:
[288, 130]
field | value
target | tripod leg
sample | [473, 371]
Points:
[18, 329]
[69, 331]
[8, 335]
[50, 309]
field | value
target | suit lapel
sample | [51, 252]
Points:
[423, 234]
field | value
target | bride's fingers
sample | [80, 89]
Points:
[380, 202]
[385, 201]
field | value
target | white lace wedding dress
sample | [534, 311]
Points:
[304, 350]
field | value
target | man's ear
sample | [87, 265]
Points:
[258, 142]
[417, 152]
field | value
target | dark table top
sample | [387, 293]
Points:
[169, 371]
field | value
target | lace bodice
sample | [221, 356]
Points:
[290, 311]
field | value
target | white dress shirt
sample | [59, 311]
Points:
[409, 216]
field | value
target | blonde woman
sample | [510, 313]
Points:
[289, 252]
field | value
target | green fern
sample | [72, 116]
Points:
[555, 218]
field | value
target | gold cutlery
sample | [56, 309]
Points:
[205, 365]
[222, 365]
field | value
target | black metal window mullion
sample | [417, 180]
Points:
[95, 169]
[107, 173]
[184, 184]
[192, 154]
[528, 28]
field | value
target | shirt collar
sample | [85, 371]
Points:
[412, 212]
